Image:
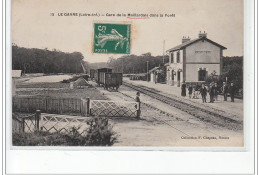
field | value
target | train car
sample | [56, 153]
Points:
[91, 74]
[111, 80]
[97, 74]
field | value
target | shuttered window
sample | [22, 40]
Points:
[178, 57]
[172, 57]
[202, 74]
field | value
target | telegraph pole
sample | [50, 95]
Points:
[147, 71]
[163, 50]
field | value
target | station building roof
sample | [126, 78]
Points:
[187, 43]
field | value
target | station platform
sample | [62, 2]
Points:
[233, 108]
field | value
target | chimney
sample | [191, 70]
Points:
[185, 39]
[202, 34]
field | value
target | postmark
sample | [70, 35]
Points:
[112, 38]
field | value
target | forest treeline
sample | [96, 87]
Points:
[32, 60]
[129, 64]
[138, 64]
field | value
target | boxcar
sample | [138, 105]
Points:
[97, 74]
[111, 80]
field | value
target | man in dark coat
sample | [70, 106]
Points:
[203, 92]
[212, 93]
[183, 89]
[190, 90]
[224, 90]
[216, 91]
[232, 92]
[137, 99]
[197, 90]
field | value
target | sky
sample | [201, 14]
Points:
[33, 26]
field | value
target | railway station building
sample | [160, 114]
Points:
[193, 60]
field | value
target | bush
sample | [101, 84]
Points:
[100, 133]
[27, 139]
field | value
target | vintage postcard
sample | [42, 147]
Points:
[140, 73]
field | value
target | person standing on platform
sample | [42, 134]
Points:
[203, 92]
[225, 90]
[137, 99]
[156, 77]
[183, 89]
[212, 93]
[197, 90]
[216, 92]
[190, 90]
[193, 92]
[232, 92]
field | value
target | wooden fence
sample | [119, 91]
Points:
[25, 123]
[49, 122]
[71, 106]
[17, 124]
[114, 108]
[74, 106]
[63, 123]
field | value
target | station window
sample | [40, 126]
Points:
[172, 57]
[202, 75]
[178, 57]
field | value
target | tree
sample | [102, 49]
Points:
[136, 64]
[45, 61]
[232, 70]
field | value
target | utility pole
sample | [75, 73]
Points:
[163, 50]
[147, 70]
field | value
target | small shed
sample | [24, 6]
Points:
[153, 74]
[15, 75]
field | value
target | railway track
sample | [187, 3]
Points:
[205, 115]
[166, 114]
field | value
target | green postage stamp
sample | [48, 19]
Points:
[112, 38]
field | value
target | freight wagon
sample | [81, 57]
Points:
[107, 79]
[97, 73]
[111, 80]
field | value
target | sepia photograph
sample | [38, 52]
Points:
[134, 73]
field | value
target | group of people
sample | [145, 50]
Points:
[194, 92]
[213, 90]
